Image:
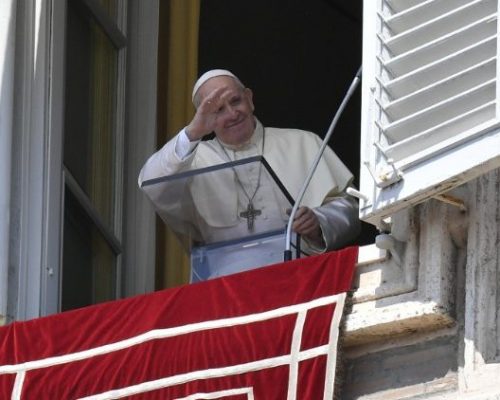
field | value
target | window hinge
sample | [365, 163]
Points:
[388, 174]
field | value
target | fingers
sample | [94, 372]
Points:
[207, 112]
[213, 101]
[204, 121]
[305, 222]
[216, 100]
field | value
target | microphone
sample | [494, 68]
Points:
[288, 252]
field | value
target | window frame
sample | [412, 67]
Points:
[35, 248]
[115, 31]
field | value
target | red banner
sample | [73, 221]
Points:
[269, 333]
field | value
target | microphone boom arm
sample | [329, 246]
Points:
[312, 169]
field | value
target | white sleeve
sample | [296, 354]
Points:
[175, 156]
[183, 146]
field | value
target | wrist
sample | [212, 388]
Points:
[316, 237]
[315, 242]
[193, 134]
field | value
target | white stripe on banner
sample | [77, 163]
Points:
[206, 374]
[331, 360]
[293, 359]
[156, 334]
[294, 353]
[18, 385]
[220, 394]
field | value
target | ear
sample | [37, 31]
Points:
[249, 95]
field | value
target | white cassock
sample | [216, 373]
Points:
[289, 152]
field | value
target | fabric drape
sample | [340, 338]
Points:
[269, 333]
[178, 69]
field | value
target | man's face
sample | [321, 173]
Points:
[234, 123]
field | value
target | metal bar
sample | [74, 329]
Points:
[108, 25]
[91, 211]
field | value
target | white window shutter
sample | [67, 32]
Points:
[430, 114]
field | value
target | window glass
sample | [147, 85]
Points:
[89, 264]
[89, 271]
[91, 75]
[111, 7]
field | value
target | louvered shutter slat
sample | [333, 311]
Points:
[443, 46]
[402, 5]
[439, 134]
[441, 68]
[420, 13]
[441, 90]
[440, 25]
[437, 114]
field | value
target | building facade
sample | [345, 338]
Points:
[424, 322]
[78, 114]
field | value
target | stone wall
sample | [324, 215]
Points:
[424, 321]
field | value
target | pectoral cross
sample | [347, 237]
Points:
[250, 215]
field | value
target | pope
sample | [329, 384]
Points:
[327, 219]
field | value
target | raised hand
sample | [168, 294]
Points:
[204, 121]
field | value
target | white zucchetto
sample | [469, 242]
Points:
[209, 75]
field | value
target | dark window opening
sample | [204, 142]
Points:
[299, 58]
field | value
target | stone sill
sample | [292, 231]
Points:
[390, 299]
[396, 320]
[438, 389]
